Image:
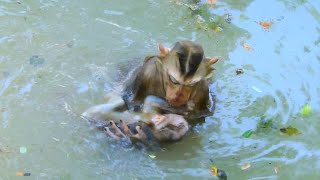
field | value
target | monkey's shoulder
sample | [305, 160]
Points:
[152, 68]
[151, 58]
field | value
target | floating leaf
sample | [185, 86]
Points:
[19, 173]
[212, 1]
[245, 166]
[306, 110]
[152, 156]
[265, 25]
[247, 47]
[23, 150]
[247, 134]
[290, 131]
[214, 171]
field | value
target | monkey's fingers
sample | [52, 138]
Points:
[111, 134]
[117, 131]
[125, 128]
[160, 121]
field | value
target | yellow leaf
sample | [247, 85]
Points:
[214, 171]
[19, 173]
[218, 29]
[306, 110]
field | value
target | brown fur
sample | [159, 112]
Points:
[152, 78]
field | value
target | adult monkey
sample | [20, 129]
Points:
[178, 76]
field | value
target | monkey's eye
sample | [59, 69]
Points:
[181, 56]
[173, 80]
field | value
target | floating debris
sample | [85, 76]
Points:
[218, 172]
[111, 12]
[70, 44]
[290, 131]
[152, 156]
[245, 166]
[239, 71]
[23, 150]
[36, 61]
[256, 89]
[56, 139]
[27, 174]
[193, 7]
[228, 18]
[276, 169]
[222, 175]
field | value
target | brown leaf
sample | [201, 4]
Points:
[19, 173]
[265, 25]
[212, 1]
[247, 47]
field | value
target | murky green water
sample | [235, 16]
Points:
[58, 58]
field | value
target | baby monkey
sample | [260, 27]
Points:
[166, 127]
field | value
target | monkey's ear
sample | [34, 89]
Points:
[163, 50]
[210, 68]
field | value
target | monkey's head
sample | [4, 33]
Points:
[184, 68]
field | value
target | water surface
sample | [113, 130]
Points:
[58, 58]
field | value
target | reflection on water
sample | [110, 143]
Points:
[57, 58]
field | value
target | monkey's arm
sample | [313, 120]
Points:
[114, 109]
[147, 80]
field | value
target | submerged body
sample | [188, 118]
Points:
[167, 86]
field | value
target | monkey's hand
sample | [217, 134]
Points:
[158, 121]
[121, 130]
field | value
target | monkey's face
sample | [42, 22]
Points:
[178, 89]
[184, 67]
